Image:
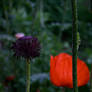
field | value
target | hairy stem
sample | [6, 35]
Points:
[28, 76]
[74, 43]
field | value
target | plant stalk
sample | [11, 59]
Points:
[28, 75]
[74, 43]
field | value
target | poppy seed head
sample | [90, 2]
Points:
[27, 47]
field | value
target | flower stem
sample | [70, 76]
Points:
[74, 42]
[28, 75]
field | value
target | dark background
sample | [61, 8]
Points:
[51, 22]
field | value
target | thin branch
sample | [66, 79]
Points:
[74, 43]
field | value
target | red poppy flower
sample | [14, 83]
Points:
[61, 71]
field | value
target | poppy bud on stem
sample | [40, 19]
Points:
[74, 43]
[28, 75]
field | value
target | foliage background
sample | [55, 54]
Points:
[51, 22]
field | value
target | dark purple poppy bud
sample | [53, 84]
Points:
[27, 47]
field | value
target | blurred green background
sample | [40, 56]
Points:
[51, 22]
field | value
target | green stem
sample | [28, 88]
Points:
[28, 76]
[74, 42]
